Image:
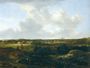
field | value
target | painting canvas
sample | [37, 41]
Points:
[44, 34]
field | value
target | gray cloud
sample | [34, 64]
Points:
[17, 1]
[37, 3]
[27, 1]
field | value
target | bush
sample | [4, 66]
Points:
[63, 49]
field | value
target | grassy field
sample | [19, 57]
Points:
[56, 53]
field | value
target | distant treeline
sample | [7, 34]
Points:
[48, 41]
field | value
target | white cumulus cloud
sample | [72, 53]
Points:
[44, 24]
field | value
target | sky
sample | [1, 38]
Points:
[44, 19]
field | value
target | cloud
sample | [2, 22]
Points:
[37, 3]
[18, 1]
[55, 24]
[42, 22]
[28, 1]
